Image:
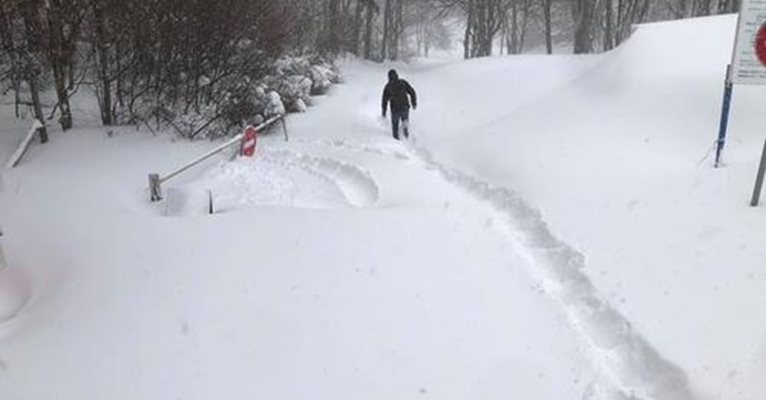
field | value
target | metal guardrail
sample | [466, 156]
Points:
[15, 159]
[156, 181]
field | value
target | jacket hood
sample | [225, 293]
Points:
[392, 75]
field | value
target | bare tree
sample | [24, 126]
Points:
[584, 11]
[515, 25]
[547, 5]
[23, 54]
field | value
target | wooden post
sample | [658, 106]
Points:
[155, 187]
[759, 179]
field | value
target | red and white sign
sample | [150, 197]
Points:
[749, 60]
[760, 44]
[249, 141]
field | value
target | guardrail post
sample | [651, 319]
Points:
[759, 179]
[155, 187]
[284, 128]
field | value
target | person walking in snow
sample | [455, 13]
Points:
[399, 93]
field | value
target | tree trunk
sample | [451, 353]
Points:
[467, 38]
[511, 36]
[102, 52]
[548, 29]
[62, 94]
[584, 9]
[387, 13]
[609, 36]
[523, 27]
[357, 27]
[16, 96]
[398, 30]
[368, 32]
[34, 91]
[60, 60]
[333, 40]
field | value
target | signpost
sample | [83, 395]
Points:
[728, 88]
[747, 66]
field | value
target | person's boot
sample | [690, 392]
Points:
[406, 133]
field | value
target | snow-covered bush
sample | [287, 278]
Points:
[300, 106]
[291, 89]
[323, 76]
[233, 103]
[275, 106]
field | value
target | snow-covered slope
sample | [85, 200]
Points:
[344, 265]
[616, 162]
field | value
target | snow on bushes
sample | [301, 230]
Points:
[275, 105]
[322, 78]
[232, 104]
[296, 79]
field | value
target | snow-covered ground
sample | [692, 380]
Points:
[554, 232]
[616, 162]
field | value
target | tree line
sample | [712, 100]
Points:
[158, 59]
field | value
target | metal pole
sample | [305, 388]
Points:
[727, 92]
[284, 128]
[155, 188]
[759, 178]
[204, 157]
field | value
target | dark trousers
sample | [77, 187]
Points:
[404, 117]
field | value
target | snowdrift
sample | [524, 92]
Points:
[617, 158]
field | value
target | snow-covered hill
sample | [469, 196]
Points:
[619, 163]
[553, 233]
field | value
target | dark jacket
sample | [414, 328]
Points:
[396, 91]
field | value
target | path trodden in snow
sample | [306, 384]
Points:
[342, 265]
[412, 296]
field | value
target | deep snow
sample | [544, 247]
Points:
[346, 265]
[619, 164]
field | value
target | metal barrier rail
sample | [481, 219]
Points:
[156, 181]
[15, 159]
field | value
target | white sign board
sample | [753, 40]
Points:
[747, 67]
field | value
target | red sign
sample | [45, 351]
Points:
[248, 142]
[760, 44]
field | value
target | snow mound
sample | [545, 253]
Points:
[282, 177]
